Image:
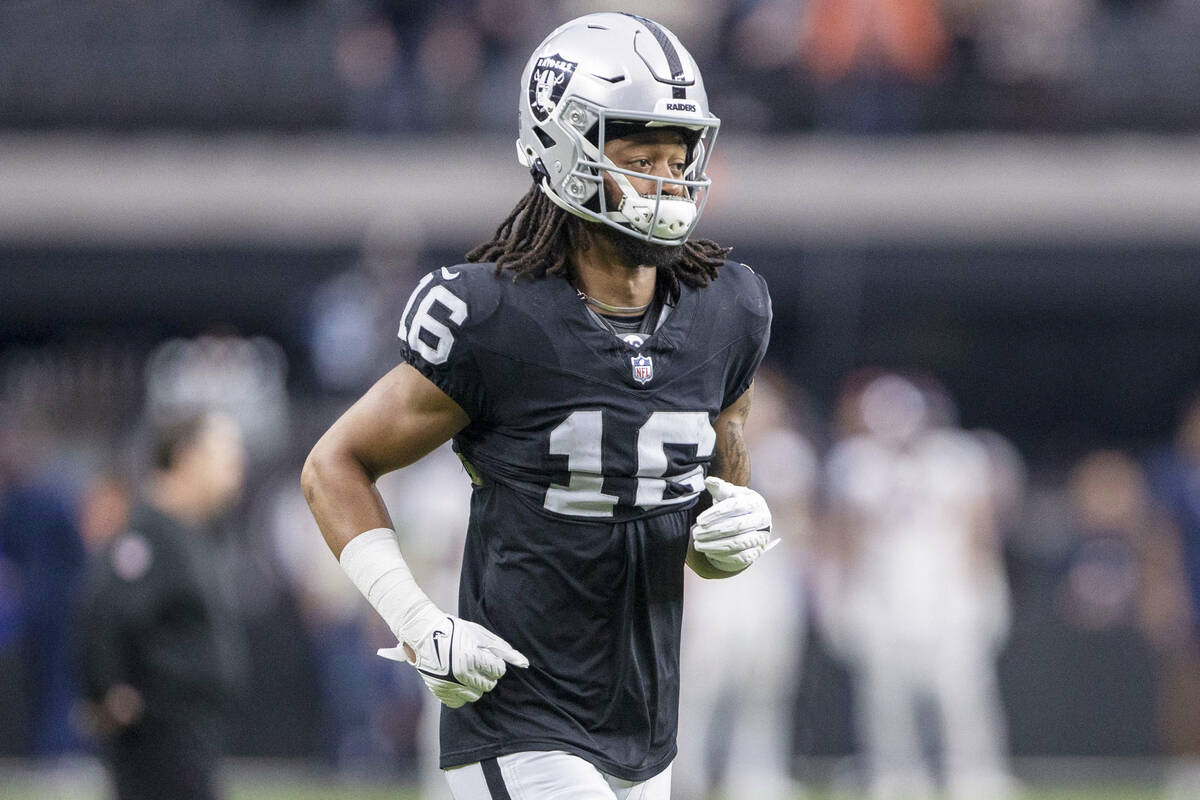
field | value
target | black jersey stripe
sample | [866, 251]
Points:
[674, 62]
[495, 781]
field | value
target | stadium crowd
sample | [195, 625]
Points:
[397, 66]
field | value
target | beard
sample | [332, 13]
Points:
[636, 253]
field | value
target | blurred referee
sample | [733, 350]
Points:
[158, 646]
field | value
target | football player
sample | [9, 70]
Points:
[917, 602]
[593, 366]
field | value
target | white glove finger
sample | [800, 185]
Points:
[747, 557]
[742, 520]
[728, 564]
[719, 488]
[731, 507]
[482, 663]
[502, 649]
[733, 544]
[752, 554]
[510, 655]
[445, 689]
[477, 682]
[742, 541]
[728, 527]
[452, 695]
[734, 562]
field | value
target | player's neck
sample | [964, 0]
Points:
[602, 277]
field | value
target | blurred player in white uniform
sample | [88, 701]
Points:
[740, 670]
[918, 603]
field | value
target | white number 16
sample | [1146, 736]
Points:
[580, 436]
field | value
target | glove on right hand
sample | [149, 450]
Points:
[457, 659]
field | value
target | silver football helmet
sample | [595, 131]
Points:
[600, 77]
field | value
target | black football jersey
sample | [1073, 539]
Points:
[587, 451]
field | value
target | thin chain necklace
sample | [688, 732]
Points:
[611, 309]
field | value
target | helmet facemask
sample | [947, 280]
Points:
[657, 217]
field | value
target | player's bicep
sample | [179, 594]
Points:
[731, 461]
[403, 417]
[399, 419]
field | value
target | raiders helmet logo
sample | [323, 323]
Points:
[551, 74]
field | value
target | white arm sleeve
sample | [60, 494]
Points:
[374, 563]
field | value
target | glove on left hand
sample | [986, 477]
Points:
[736, 530]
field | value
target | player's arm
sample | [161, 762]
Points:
[100, 651]
[731, 460]
[736, 529]
[400, 419]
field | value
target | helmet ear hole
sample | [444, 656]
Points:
[546, 139]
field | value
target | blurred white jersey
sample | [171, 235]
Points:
[918, 512]
[919, 609]
[742, 638]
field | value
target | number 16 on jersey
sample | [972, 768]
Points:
[580, 438]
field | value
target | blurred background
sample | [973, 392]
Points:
[980, 223]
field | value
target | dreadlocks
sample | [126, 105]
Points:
[538, 237]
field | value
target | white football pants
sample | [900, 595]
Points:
[549, 775]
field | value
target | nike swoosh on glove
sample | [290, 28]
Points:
[736, 529]
[458, 660]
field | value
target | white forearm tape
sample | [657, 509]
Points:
[374, 563]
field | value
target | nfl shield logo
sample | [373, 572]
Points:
[643, 368]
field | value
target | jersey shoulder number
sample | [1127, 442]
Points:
[445, 303]
[436, 328]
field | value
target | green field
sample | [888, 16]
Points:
[330, 792]
[255, 780]
[295, 789]
[1077, 792]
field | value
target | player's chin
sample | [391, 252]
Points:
[660, 255]
[640, 253]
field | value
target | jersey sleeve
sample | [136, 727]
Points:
[436, 335]
[754, 317]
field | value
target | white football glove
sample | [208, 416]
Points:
[457, 659]
[736, 529]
